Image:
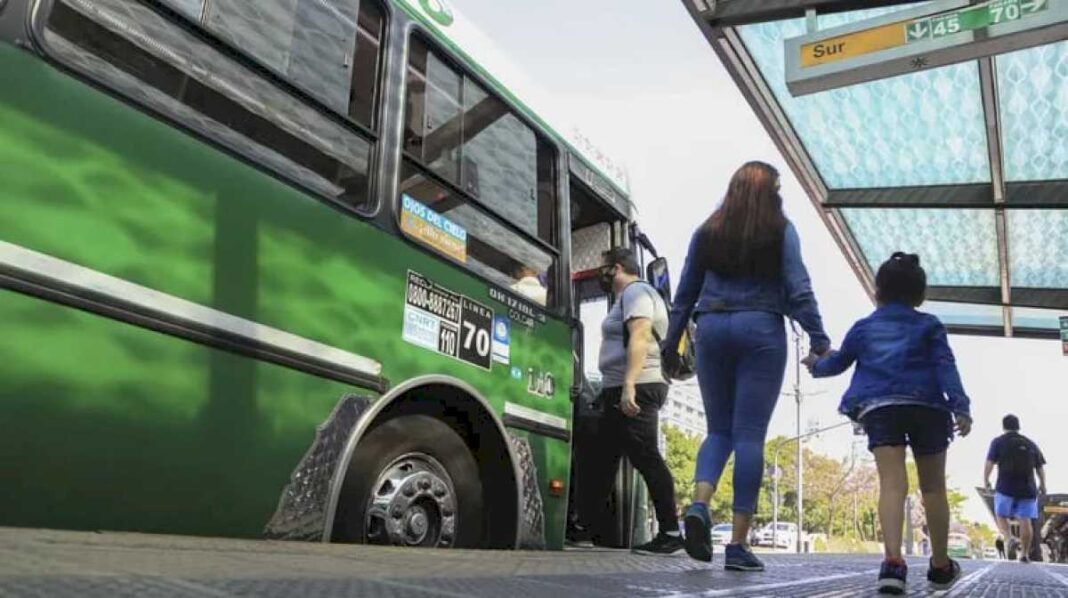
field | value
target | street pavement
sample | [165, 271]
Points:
[63, 563]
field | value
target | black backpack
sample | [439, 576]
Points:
[1017, 456]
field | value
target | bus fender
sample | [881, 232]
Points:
[309, 501]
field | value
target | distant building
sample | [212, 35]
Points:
[684, 409]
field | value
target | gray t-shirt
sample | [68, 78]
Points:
[639, 300]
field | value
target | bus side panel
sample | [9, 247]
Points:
[92, 181]
[104, 425]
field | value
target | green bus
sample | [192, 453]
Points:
[295, 269]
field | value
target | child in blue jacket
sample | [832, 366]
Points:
[905, 391]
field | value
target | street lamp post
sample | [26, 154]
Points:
[800, 469]
[775, 481]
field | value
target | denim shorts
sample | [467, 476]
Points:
[927, 430]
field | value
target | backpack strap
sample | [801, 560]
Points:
[626, 331]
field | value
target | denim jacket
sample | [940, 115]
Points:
[903, 358]
[791, 295]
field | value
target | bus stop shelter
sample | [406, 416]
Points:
[964, 163]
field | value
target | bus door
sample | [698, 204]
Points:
[597, 228]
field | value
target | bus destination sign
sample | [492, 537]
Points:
[893, 35]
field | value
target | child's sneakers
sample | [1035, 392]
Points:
[944, 578]
[893, 576]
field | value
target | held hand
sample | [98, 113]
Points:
[671, 360]
[986, 484]
[964, 424]
[811, 359]
[628, 403]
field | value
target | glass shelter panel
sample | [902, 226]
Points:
[957, 247]
[1033, 97]
[1037, 319]
[919, 129]
[1038, 248]
[966, 314]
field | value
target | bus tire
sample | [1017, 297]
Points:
[412, 481]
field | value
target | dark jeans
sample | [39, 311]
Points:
[636, 438]
[741, 359]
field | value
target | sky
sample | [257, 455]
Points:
[643, 84]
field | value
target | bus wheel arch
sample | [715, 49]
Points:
[467, 414]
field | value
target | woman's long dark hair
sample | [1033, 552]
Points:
[743, 237]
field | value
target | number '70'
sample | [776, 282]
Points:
[479, 336]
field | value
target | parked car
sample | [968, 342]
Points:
[990, 553]
[784, 536]
[754, 536]
[721, 534]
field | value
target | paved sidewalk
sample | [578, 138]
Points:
[60, 563]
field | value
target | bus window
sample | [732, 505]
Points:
[309, 42]
[500, 163]
[492, 164]
[482, 243]
[433, 122]
[363, 94]
[143, 55]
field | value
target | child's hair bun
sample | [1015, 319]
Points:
[908, 258]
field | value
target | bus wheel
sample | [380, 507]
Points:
[412, 482]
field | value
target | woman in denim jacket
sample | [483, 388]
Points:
[743, 274]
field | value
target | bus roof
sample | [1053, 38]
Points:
[461, 37]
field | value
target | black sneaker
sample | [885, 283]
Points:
[945, 577]
[1025, 559]
[741, 558]
[893, 576]
[578, 537]
[1014, 548]
[698, 525]
[661, 544]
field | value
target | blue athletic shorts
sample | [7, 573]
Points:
[926, 429]
[1017, 508]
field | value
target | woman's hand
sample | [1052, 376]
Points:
[671, 360]
[964, 424]
[811, 359]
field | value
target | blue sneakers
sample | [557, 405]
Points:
[741, 558]
[698, 525]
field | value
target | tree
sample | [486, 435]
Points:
[787, 453]
[956, 500]
[980, 534]
[681, 459]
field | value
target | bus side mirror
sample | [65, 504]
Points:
[657, 274]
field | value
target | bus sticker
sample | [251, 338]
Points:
[420, 222]
[501, 342]
[519, 311]
[540, 384]
[445, 322]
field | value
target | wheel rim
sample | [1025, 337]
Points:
[412, 503]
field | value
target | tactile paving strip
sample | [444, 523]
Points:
[51, 563]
